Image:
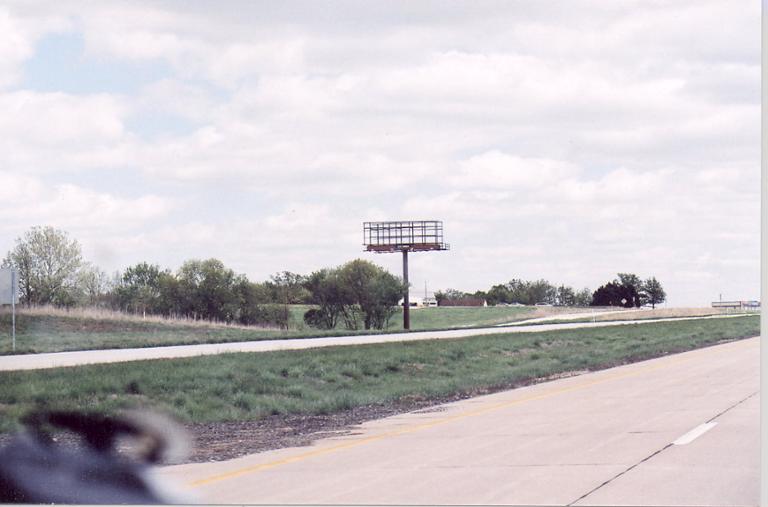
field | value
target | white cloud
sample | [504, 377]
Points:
[18, 36]
[555, 139]
[47, 132]
[30, 200]
[495, 169]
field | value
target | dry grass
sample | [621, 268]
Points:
[661, 313]
[97, 313]
[550, 311]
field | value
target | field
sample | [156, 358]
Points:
[51, 330]
[245, 387]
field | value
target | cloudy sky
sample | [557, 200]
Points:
[566, 140]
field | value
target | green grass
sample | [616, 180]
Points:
[451, 317]
[38, 332]
[54, 333]
[243, 386]
[423, 319]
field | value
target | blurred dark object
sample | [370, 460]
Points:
[111, 464]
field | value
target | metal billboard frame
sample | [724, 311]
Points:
[404, 236]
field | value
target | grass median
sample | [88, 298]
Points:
[247, 386]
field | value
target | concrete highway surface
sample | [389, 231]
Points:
[678, 430]
[75, 358]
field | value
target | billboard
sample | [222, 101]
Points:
[9, 286]
[411, 235]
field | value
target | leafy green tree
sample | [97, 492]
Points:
[327, 293]
[139, 290]
[359, 292]
[625, 290]
[93, 284]
[541, 291]
[372, 291]
[48, 262]
[256, 307]
[565, 296]
[653, 293]
[610, 294]
[519, 292]
[288, 289]
[498, 294]
[633, 287]
[206, 290]
[583, 297]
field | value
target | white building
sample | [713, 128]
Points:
[420, 301]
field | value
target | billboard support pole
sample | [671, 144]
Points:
[406, 303]
[404, 236]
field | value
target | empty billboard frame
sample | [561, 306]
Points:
[404, 236]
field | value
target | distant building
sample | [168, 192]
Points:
[737, 305]
[419, 301]
[468, 301]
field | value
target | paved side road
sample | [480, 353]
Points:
[678, 430]
[61, 359]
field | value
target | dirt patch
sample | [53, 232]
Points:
[227, 440]
[223, 441]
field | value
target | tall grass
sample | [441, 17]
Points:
[100, 313]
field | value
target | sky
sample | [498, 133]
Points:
[564, 140]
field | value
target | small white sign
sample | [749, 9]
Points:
[9, 286]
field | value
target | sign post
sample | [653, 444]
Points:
[13, 309]
[9, 294]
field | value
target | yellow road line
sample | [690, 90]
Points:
[354, 443]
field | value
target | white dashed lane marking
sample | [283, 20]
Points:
[694, 433]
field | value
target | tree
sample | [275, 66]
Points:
[93, 284]
[626, 290]
[517, 290]
[632, 289]
[140, 289]
[583, 297]
[48, 262]
[653, 292]
[565, 296]
[610, 294]
[359, 292]
[371, 290]
[325, 291]
[207, 290]
[541, 291]
[289, 289]
[255, 307]
[498, 294]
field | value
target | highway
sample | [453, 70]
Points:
[81, 357]
[678, 430]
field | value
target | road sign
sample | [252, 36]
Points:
[9, 286]
[9, 295]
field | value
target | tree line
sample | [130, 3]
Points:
[52, 271]
[355, 295]
[626, 290]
